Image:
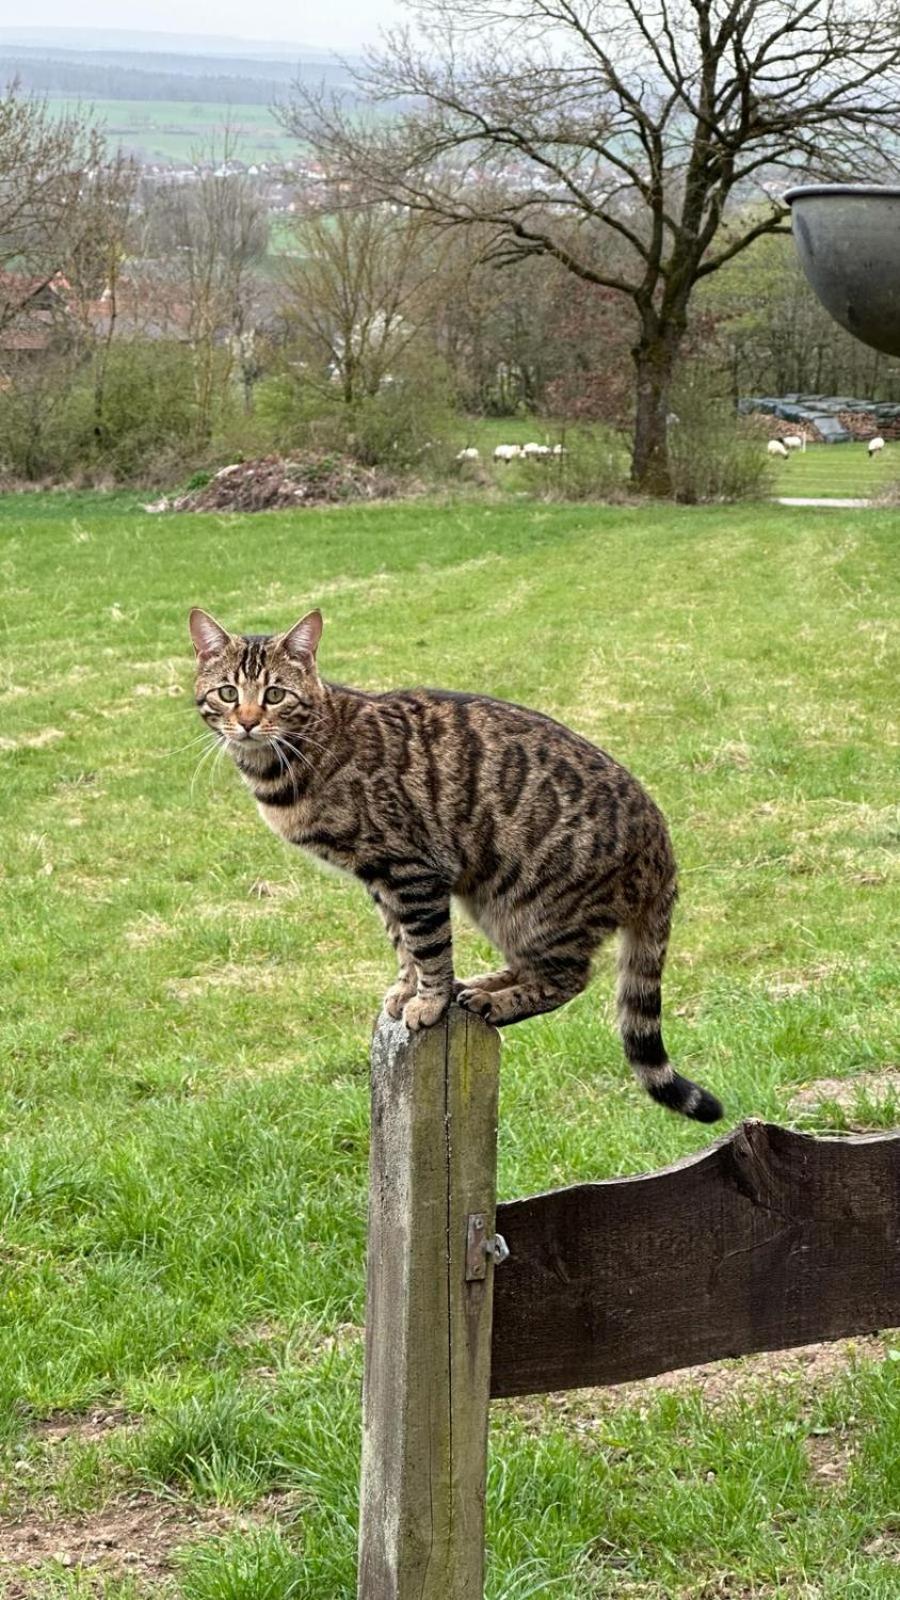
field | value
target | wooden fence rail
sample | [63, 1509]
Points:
[767, 1239]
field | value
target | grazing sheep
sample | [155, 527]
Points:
[777, 447]
[875, 445]
[560, 450]
[794, 441]
[469, 454]
[531, 450]
[507, 452]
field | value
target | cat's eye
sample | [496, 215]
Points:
[273, 696]
[228, 693]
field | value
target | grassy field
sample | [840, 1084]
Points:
[836, 471]
[843, 471]
[177, 130]
[187, 1007]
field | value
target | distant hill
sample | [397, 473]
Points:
[168, 98]
[131, 41]
[127, 75]
[161, 72]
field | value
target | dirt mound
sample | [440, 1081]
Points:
[276, 482]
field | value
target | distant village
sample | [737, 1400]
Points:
[283, 186]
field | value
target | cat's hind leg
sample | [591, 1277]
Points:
[541, 984]
[486, 981]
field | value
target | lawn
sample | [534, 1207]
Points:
[187, 1008]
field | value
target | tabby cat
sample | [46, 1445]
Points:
[548, 843]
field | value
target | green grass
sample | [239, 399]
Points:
[834, 471]
[177, 130]
[841, 471]
[184, 1091]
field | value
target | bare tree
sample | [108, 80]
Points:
[93, 265]
[359, 288]
[212, 235]
[638, 142]
[49, 165]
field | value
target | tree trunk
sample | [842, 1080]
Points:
[654, 358]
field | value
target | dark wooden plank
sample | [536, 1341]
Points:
[768, 1239]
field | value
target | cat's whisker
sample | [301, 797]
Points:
[214, 749]
[297, 733]
[165, 755]
[298, 753]
[278, 742]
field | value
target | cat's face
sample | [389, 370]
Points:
[257, 691]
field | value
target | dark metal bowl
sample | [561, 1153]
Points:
[848, 240]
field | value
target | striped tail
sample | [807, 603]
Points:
[642, 955]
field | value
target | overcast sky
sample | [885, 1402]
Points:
[342, 24]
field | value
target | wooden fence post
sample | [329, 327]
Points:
[426, 1393]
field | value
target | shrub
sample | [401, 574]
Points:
[394, 427]
[713, 454]
[593, 467]
[39, 434]
[149, 416]
[129, 413]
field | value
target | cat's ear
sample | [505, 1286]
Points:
[209, 638]
[303, 638]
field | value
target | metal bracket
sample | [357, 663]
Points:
[480, 1249]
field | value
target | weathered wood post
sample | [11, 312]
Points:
[426, 1392]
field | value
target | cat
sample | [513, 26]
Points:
[549, 844]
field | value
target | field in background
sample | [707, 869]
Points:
[828, 470]
[187, 1011]
[175, 130]
[839, 470]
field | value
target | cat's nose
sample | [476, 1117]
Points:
[249, 716]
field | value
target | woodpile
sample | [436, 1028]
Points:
[276, 482]
[865, 424]
[830, 419]
[770, 427]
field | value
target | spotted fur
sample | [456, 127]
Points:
[547, 842]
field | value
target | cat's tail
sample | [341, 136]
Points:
[642, 954]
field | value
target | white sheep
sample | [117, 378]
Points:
[794, 441]
[469, 454]
[507, 452]
[530, 450]
[560, 450]
[777, 447]
[875, 445]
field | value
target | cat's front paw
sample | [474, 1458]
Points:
[424, 1011]
[397, 997]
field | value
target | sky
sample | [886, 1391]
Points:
[339, 24]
